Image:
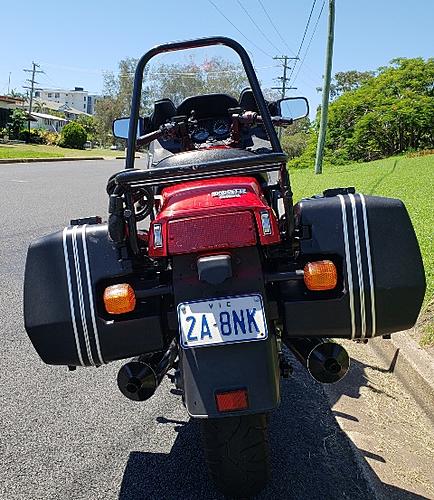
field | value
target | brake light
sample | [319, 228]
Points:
[210, 232]
[119, 299]
[320, 275]
[232, 400]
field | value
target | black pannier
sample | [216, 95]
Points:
[65, 276]
[373, 244]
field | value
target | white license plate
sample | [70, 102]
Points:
[222, 321]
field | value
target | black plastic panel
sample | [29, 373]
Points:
[374, 245]
[63, 307]
[253, 365]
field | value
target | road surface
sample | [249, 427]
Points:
[72, 435]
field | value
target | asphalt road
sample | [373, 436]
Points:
[74, 436]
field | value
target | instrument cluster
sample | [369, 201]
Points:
[211, 129]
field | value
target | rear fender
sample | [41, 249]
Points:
[246, 365]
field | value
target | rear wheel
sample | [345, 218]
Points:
[237, 454]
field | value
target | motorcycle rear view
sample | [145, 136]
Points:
[225, 270]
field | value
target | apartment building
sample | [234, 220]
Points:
[78, 98]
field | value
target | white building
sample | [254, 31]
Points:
[78, 98]
[47, 122]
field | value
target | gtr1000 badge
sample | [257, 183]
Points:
[229, 193]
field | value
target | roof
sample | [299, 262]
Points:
[47, 117]
[11, 100]
[57, 106]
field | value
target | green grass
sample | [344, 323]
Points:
[43, 151]
[409, 179]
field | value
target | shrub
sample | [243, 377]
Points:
[34, 137]
[17, 121]
[73, 136]
[50, 138]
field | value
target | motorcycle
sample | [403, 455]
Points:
[206, 268]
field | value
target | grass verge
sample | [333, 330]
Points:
[409, 179]
[44, 151]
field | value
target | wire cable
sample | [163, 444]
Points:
[310, 41]
[275, 28]
[258, 27]
[239, 31]
[302, 40]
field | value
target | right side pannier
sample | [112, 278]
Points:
[372, 242]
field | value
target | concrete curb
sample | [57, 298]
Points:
[43, 160]
[412, 366]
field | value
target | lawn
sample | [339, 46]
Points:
[43, 151]
[409, 179]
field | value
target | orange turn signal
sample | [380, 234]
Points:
[320, 275]
[119, 299]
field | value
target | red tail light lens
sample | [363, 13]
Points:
[232, 400]
[231, 230]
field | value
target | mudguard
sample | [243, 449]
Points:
[246, 365]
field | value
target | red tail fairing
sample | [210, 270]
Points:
[212, 214]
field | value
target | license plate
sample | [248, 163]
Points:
[222, 321]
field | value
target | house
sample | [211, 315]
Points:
[42, 106]
[47, 122]
[7, 105]
[78, 98]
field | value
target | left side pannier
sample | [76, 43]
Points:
[64, 315]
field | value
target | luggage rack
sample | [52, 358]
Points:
[136, 178]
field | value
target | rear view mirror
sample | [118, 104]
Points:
[121, 127]
[292, 108]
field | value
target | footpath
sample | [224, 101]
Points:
[385, 405]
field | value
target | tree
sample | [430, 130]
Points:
[387, 114]
[73, 136]
[345, 81]
[90, 126]
[174, 81]
[17, 121]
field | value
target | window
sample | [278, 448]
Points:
[84, 106]
[56, 95]
[37, 94]
[84, 98]
[50, 94]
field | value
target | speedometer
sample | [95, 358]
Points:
[200, 134]
[221, 127]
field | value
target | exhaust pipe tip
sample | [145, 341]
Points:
[137, 380]
[328, 363]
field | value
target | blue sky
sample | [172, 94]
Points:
[76, 41]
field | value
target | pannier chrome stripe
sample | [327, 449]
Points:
[89, 289]
[71, 298]
[359, 267]
[80, 294]
[370, 272]
[348, 265]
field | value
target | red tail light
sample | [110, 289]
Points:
[232, 400]
[210, 232]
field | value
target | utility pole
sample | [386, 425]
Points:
[9, 83]
[326, 89]
[284, 79]
[32, 87]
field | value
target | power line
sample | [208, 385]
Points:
[239, 31]
[303, 37]
[310, 41]
[258, 27]
[275, 28]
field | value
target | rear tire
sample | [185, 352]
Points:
[237, 454]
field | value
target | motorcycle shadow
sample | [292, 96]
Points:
[311, 456]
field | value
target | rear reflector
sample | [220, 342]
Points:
[119, 299]
[230, 230]
[320, 275]
[232, 400]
